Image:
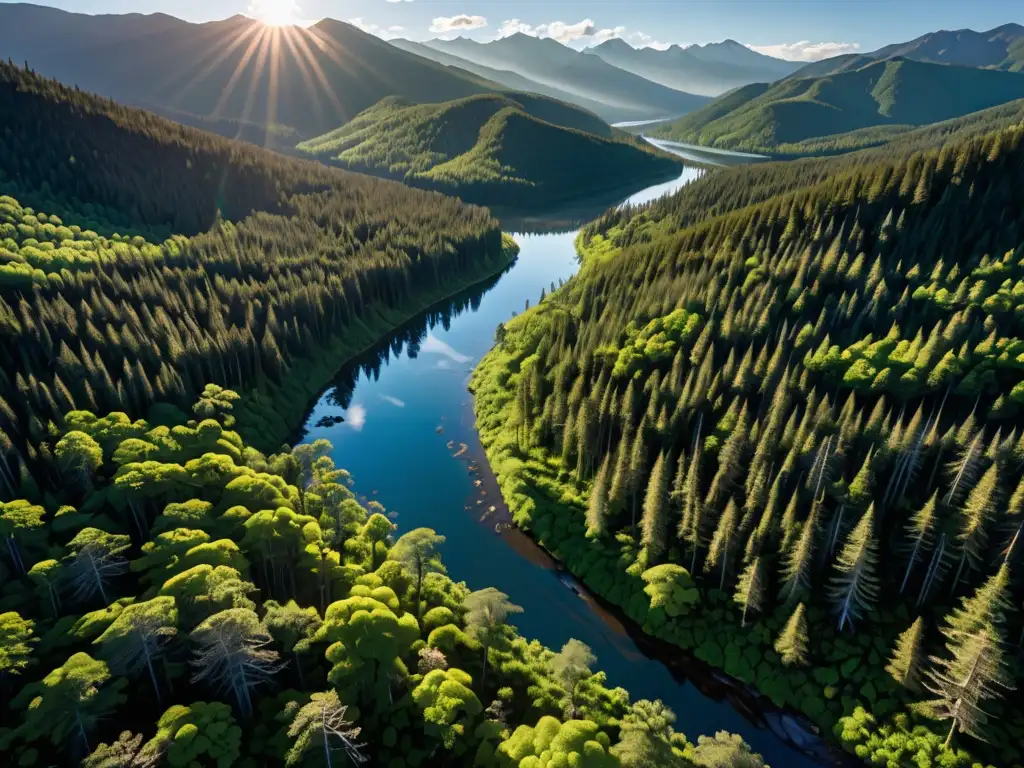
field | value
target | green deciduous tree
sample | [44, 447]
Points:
[231, 655]
[137, 639]
[417, 552]
[487, 612]
[571, 666]
[66, 704]
[16, 640]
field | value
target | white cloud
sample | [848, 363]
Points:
[355, 417]
[805, 50]
[375, 29]
[434, 345]
[444, 24]
[556, 30]
[399, 1]
[582, 34]
[393, 400]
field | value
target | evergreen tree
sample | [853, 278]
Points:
[905, 664]
[654, 523]
[854, 587]
[750, 589]
[791, 643]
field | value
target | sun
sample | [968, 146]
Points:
[275, 13]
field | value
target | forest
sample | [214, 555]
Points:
[860, 106]
[494, 150]
[174, 597]
[155, 259]
[776, 419]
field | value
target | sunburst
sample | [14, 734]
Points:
[275, 13]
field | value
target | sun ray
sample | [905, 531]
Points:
[239, 68]
[296, 59]
[221, 56]
[297, 40]
[274, 48]
[257, 75]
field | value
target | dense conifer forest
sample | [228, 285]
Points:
[776, 419]
[270, 260]
[493, 150]
[171, 594]
[861, 106]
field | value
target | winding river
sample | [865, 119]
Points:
[408, 440]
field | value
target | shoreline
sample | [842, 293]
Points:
[786, 723]
[269, 437]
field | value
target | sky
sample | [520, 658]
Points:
[803, 30]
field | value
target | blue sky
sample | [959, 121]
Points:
[796, 29]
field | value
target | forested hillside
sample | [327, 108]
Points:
[492, 150]
[173, 597]
[850, 109]
[776, 419]
[233, 265]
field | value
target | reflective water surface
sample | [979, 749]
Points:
[409, 442]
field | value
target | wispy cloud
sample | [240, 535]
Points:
[375, 29]
[355, 417]
[805, 50]
[561, 31]
[583, 33]
[393, 400]
[444, 24]
[434, 345]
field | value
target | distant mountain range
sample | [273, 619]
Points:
[709, 70]
[999, 48]
[848, 109]
[580, 76]
[515, 81]
[488, 149]
[237, 69]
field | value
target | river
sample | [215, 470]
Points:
[407, 414]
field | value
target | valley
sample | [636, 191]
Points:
[527, 396]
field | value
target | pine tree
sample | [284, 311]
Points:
[791, 644]
[655, 518]
[750, 589]
[972, 674]
[854, 587]
[722, 541]
[796, 572]
[905, 664]
[597, 509]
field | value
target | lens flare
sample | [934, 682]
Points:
[275, 13]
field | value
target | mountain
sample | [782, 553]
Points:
[514, 80]
[851, 108]
[488, 149]
[707, 70]
[310, 80]
[998, 48]
[581, 75]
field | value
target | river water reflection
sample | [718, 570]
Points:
[407, 414]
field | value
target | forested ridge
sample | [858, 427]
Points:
[857, 107]
[493, 149]
[174, 597]
[776, 419]
[272, 260]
